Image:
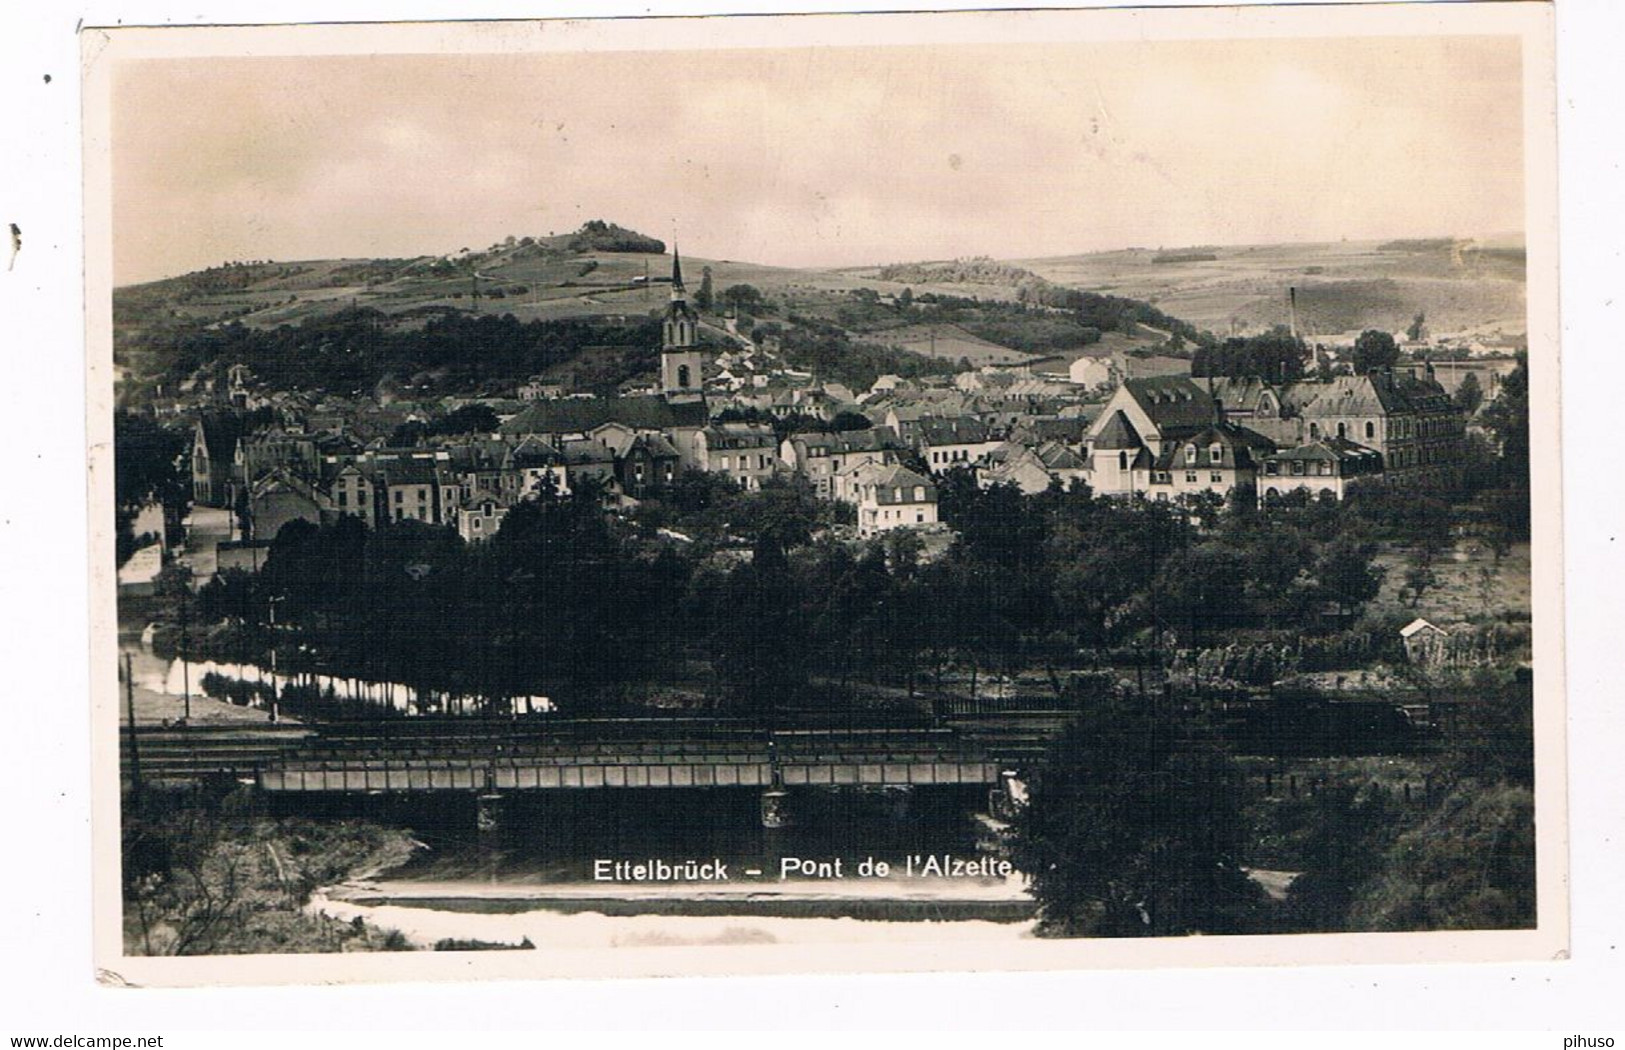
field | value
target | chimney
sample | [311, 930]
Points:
[1292, 309]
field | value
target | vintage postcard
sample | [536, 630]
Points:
[838, 493]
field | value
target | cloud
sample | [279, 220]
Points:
[817, 156]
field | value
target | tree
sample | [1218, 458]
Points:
[1418, 327]
[1374, 351]
[1134, 827]
[1349, 834]
[477, 418]
[1507, 417]
[744, 298]
[145, 469]
[1347, 571]
[1469, 395]
[703, 297]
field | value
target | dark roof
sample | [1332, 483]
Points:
[1057, 456]
[953, 430]
[872, 440]
[739, 435]
[1378, 393]
[220, 435]
[1071, 430]
[1174, 403]
[583, 451]
[896, 484]
[1331, 449]
[655, 445]
[410, 472]
[1118, 433]
[579, 415]
[1242, 448]
[531, 453]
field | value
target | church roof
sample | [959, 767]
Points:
[579, 415]
[1118, 433]
[1173, 402]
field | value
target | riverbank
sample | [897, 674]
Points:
[203, 880]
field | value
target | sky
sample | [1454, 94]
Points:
[827, 156]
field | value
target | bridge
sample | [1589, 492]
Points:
[548, 754]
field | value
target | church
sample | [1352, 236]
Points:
[682, 373]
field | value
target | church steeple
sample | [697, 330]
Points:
[681, 364]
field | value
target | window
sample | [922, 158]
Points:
[1215, 454]
[682, 376]
[1297, 466]
[1272, 468]
[400, 497]
[1122, 461]
[1325, 468]
[1314, 430]
[919, 517]
[1190, 454]
[919, 493]
[1216, 477]
[476, 524]
[344, 498]
[1190, 477]
[1342, 430]
[1370, 429]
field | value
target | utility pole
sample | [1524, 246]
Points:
[186, 670]
[135, 751]
[271, 604]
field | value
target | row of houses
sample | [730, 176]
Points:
[1170, 436]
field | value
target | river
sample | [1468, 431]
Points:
[607, 869]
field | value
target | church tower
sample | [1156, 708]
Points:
[680, 360]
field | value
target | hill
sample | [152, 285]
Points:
[1464, 287]
[599, 287]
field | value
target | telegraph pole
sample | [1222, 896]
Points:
[135, 751]
[186, 670]
[271, 604]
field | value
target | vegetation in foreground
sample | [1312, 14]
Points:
[205, 876]
[1140, 824]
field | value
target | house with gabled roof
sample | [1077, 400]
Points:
[281, 496]
[954, 441]
[649, 464]
[1324, 466]
[889, 497]
[1221, 459]
[819, 456]
[353, 489]
[747, 453]
[1404, 414]
[480, 516]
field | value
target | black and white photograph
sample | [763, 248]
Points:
[834, 493]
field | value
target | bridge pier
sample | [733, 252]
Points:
[775, 813]
[899, 801]
[488, 813]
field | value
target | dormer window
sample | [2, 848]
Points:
[1190, 454]
[1215, 453]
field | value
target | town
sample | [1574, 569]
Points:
[1124, 425]
[778, 548]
